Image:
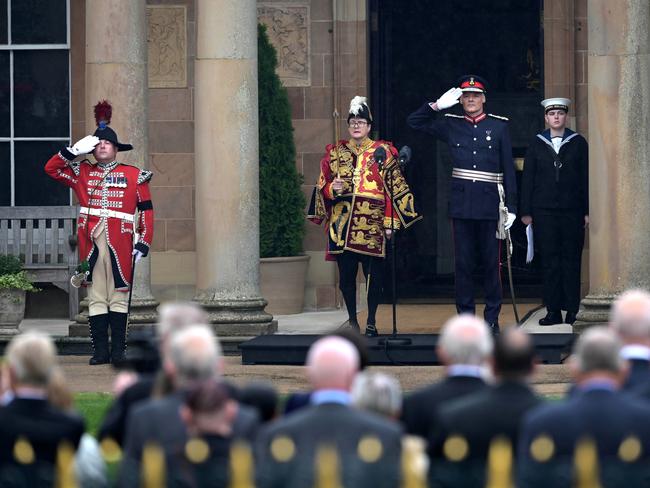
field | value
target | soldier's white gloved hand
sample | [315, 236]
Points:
[84, 146]
[449, 98]
[138, 255]
[509, 221]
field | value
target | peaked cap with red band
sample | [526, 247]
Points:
[472, 83]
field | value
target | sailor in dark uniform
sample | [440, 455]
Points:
[555, 199]
[483, 194]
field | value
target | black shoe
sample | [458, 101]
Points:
[494, 329]
[570, 318]
[371, 331]
[94, 361]
[552, 318]
[98, 325]
[118, 322]
[350, 324]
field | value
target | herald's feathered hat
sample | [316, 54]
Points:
[556, 104]
[359, 109]
[103, 113]
[472, 83]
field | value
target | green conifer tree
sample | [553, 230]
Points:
[282, 203]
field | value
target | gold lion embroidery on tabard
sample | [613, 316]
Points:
[360, 239]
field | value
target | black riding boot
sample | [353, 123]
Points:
[118, 336]
[99, 338]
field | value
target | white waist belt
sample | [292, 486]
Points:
[468, 174]
[104, 212]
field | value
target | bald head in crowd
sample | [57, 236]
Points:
[332, 364]
[514, 355]
[194, 355]
[465, 339]
[597, 355]
[31, 358]
[630, 317]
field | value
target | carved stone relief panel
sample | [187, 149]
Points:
[288, 30]
[167, 44]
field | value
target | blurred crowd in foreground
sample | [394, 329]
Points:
[177, 422]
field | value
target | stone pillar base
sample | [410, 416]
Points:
[238, 317]
[143, 314]
[9, 331]
[594, 311]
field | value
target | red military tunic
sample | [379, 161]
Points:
[108, 195]
[357, 218]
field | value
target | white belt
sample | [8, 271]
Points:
[104, 212]
[469, 174]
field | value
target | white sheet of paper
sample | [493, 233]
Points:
[530, 251]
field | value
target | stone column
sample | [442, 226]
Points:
[116, 70]
[619, 153]
[226, 155]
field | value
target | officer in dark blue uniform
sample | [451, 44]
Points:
[483, 196]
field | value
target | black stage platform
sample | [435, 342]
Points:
[292, 349]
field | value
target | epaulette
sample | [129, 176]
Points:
[500, 117]
[455, 116]
[144, 175]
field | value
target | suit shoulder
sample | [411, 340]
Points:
[379, 424]
[499, 117]
[454, 116]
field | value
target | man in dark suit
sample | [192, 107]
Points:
[598, 411]
[464, 347]
[367, 446]
[172, 317]
[490, 413]
[31, 430]
[555, 200]
[192, 355]
[483, 196]
[630, 320]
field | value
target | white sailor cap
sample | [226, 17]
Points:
[556, 104]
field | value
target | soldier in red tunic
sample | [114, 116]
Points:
[353, 195]
[109, 194]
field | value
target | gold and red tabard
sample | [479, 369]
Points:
[108, 196]
[357, 218]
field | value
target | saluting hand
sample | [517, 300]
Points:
[84, 146]
[448, 99]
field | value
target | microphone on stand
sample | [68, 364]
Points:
[404, 157]
[380, 157]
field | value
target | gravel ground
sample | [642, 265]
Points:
[548, 379]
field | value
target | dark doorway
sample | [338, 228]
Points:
[418, 49]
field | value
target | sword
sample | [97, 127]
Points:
[509, 263]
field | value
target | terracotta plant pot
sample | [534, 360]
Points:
[282, 282]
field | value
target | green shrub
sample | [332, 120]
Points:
[282, 203]
[12, 275]
[10, 265]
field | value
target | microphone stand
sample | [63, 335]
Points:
[393, 339]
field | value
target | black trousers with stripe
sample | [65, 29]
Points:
[475, 243]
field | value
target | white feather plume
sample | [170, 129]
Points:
[356, 105]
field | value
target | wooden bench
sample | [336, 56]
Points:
[45, 238]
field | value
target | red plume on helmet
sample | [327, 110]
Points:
[103, 112]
